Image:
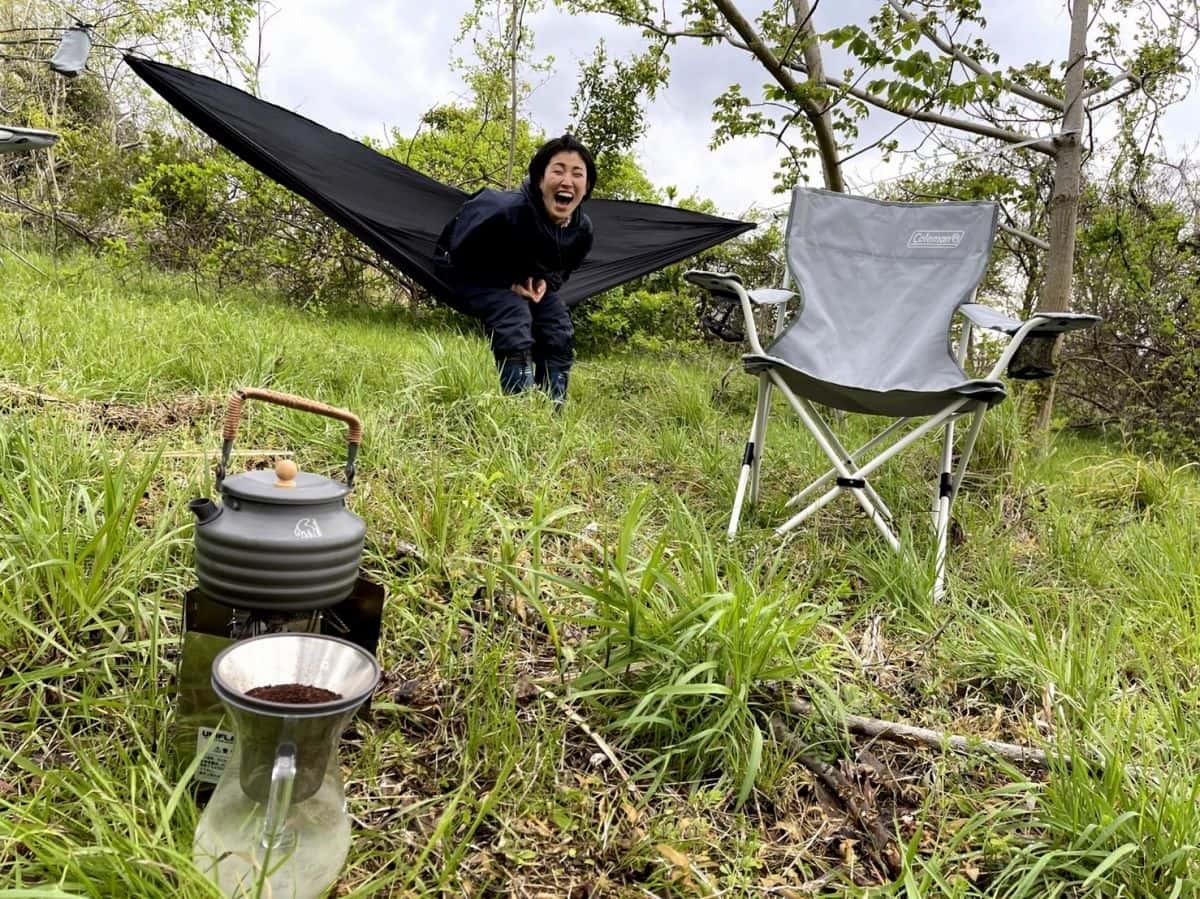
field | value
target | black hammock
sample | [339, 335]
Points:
[399, 212]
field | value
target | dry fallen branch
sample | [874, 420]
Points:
[123, 416]
[936, 739]
[579, 722]
[34, 395]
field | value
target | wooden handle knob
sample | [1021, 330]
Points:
[285, 473]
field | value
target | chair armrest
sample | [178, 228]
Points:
[725, 286]
[1039, 327]
[1043, 322]
[770, 296]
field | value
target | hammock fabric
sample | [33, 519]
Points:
[399, 212]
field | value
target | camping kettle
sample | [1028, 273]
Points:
[281, 540]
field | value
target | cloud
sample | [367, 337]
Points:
[362, 68]
[384, 64]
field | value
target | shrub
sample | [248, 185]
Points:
[637, 319]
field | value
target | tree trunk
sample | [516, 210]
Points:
[817, 115]
[820, 118]
[1064, 206]
[513, 48]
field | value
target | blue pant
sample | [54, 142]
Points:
[518, 326]
[532, 342]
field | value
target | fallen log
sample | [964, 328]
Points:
[924, 736]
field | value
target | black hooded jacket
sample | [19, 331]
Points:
[501, 238]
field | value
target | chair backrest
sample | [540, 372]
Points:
[880, 282]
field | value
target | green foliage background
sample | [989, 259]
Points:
[128, 180]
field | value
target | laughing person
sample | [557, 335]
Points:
[507, 253]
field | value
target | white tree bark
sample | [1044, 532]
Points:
[514, 46]
[821, 119]
[1064, 201]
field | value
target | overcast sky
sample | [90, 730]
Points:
[362, 68]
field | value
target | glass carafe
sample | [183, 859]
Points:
[276, 824]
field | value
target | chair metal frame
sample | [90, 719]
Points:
[851, 469]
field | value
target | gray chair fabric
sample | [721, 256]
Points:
[880, 283]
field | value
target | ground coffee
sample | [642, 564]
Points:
[293, 694]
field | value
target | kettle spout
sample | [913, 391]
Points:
[204, 509]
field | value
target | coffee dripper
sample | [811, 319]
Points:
[276, 824]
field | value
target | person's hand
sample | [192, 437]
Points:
[533, 290]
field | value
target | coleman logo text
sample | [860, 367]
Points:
[934, 240]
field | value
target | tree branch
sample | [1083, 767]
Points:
[59, 217]
[935, 739]
[935, 118]
[881, 844]
[1025, 236]
[826, 144]
[663, 31]
[975, 65]
[1046, 147]
[1135, 86]
[1101, 88]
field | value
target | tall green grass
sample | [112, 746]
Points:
[549, 570]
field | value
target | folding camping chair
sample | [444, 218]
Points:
[879, 283]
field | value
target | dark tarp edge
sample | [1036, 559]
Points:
[398, 211]
[251, 153]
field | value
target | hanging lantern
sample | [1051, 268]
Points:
[71, 56]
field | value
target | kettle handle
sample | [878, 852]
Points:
[233, 417]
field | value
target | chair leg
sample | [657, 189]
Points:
[968, 450]
[941, 513]
[947, 491]
[947, 488]
[855, 474]
[760, 438]
[809, 416]
[863, 500]
[748, 476]
[851, 458]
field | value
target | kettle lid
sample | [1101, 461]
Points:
[285, 486]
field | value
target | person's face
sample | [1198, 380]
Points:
[563, 185]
